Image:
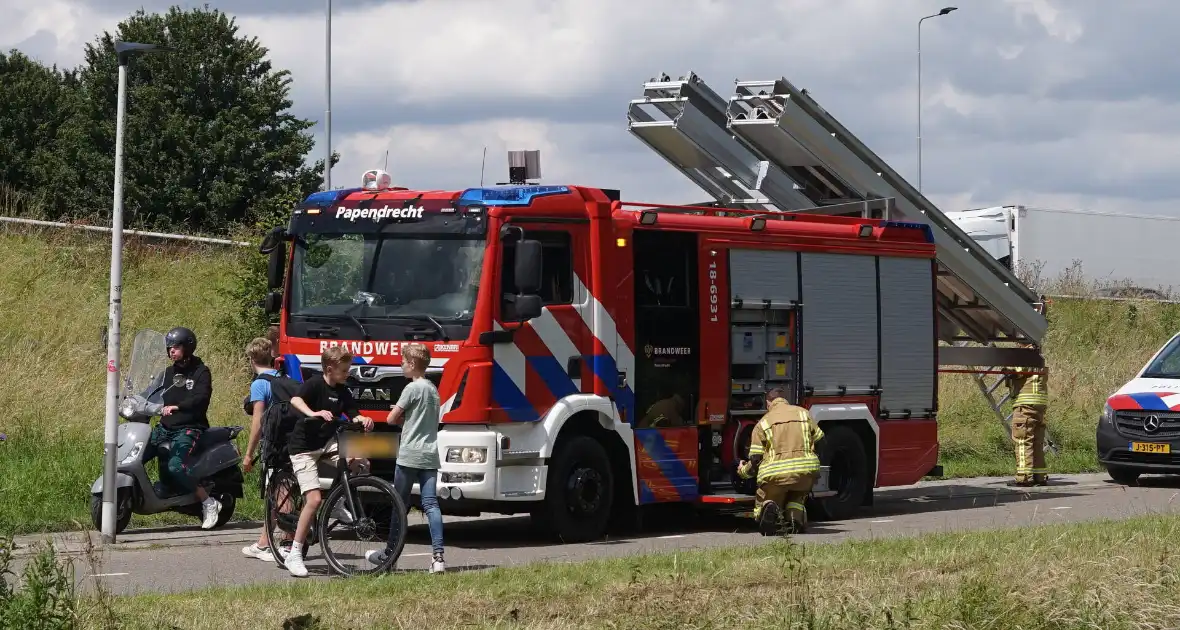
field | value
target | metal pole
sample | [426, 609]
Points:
[115, 316]
[328, 94]
[941, 13]
[920, 103]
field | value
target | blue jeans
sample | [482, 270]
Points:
[403, 479]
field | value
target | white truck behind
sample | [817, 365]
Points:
[1128, 255]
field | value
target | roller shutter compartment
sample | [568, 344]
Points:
[756, 275]
[908, 345]
[839, 331]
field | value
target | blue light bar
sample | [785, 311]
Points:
[912, 226]
[508, 196]
[326, 198]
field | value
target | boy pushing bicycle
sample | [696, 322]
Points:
[322, 400]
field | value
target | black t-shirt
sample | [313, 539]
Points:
[311, 434]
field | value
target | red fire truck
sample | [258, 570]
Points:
[595, 356]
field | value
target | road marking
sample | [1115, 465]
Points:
[415, 555]
[669, 537]
[1063, 507]
[109, 574]
[886, 520]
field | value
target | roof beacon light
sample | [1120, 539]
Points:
[376, 179]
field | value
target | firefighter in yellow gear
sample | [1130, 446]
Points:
[1029, 392]
[782, 455]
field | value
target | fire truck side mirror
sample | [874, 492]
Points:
[275, 264]
[528, 267]
[527, 307]
[273, 302]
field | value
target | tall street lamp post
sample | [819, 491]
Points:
[943, 12]
[328, 95]
[123, 51]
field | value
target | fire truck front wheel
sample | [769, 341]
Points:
[579, 491]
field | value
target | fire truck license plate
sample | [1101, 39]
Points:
[1150, 447]
[371, 445]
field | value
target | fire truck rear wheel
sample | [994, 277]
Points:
[843, 450]
[579, 492]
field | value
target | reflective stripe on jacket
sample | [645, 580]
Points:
[785, 438]
[1029, 390]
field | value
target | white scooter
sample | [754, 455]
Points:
[216, 465]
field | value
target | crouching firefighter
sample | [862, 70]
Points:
[782, 455]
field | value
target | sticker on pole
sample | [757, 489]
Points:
[111, 366]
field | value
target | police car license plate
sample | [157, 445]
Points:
[381, 445]
[1150, 447]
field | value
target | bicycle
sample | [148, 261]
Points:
[341, 502]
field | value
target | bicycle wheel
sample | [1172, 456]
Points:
[348, 538]
[282, 507]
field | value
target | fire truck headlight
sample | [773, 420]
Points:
[467, 455]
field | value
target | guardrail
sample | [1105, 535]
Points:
[99, 228]
[1112, 299]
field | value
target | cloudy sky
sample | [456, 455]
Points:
[1059, 103]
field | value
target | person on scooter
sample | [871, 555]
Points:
[188, 389]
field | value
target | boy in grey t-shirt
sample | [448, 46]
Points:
[417, 409]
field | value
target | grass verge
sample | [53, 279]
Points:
[53, 296]
[1110, 575]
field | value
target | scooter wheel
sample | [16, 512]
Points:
[122, 510]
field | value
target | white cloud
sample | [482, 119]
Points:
[1026, 101]
[1058, 23]
[70, 23]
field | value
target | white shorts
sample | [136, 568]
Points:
[306, 465]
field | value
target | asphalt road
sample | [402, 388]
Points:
[186, 558]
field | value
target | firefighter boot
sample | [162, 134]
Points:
[768, 519]
[796, 521]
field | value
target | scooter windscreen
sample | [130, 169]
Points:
[149, 359]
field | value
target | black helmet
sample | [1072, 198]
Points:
[183, 337]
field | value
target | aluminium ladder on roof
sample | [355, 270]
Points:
[684, 122]
[788, 127]
[790, 133]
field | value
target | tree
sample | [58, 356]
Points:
[209, 141]
[35, 101]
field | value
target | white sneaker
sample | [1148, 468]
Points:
[377, 556]
[342, 514]
[254, 551]
[211, 509]
[438, 566]
[295, 565]
[284, 551]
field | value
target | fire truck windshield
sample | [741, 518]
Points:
[364, 278]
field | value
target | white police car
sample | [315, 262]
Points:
[1139, 431]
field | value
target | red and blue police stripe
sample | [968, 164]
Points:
[1145, 401]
